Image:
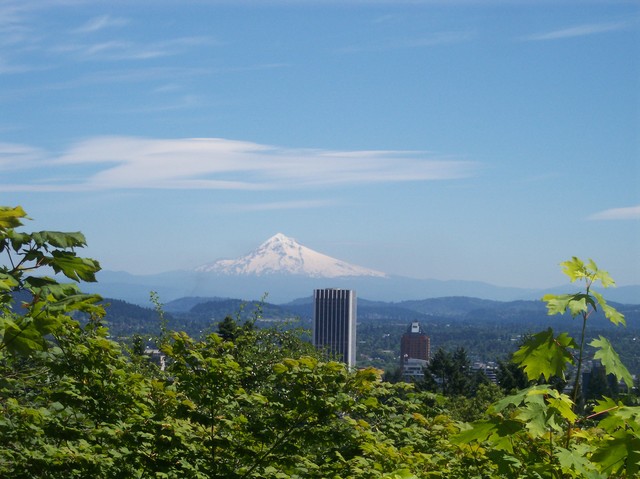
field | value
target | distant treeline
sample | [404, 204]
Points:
[488, 330]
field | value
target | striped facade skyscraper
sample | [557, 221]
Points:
[334, 323]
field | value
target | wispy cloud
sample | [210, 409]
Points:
[18, 157]
[284, 205]
[213, 163]
[100, 23]
[114, 50]
[22, 40]
[577, 31]
[16, 37]
[628, 213]
[430, 40]
[8, 68]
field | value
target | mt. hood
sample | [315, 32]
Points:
[283, 255]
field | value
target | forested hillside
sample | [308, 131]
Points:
[487, 330]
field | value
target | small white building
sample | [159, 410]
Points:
[413, 369]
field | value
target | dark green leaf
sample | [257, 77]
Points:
[59, 239]
[74, 267]
[620, 454]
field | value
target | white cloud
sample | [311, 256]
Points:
[283, 205]
[431, 40]
[14, 156]
[628, 213]
[214, 163]
[100, 23]
[577, 31]
[113, 50]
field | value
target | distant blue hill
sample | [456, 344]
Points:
[196, 312]
[283, 288]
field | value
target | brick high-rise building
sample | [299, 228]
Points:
[415, 350]
[415, 344]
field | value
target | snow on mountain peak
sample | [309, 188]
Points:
[281, 254]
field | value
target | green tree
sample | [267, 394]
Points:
[75, 404]
[511, 377]
[460, 374]
[439, 368]
[599, 384]
[261, 403]
[228, 329]
[538, 431]
[46, 303]
[450, 373]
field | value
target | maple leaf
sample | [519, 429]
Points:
[611, 361]
[545, 355]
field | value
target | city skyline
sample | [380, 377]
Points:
[481, 141]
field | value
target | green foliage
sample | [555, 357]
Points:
[539, 431]
[257, 403]
[473, 408]
[511, 377]
[261, 403]
[544, 355]
[47, 302]
[450, 373]
[611, 361]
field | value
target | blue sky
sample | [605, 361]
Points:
[450, 140]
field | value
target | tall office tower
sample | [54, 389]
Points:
[415, 349]
[334, 323]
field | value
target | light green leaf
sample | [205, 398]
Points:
[478, 431]
[598, 274]
[575, 460]
[619, 416]
[534, 417]
[574, 268]
[631, 416]
[7, 282]
[611, 313]
[546, 356]
[605, 405]
[557, 303]
[10, 217]
[400, 474]
[496, 430]
[518, 398]
[605, 279]
[575, 303]
[578, 304]
[563, 404]
[611, 361]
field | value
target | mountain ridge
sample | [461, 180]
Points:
[284, 255]
[284, 270]
[284, 288]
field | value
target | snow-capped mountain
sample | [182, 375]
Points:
[283, 255]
